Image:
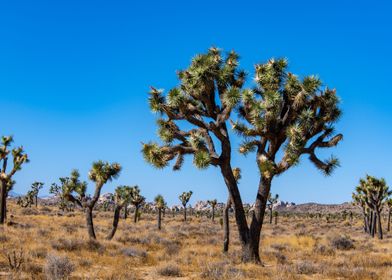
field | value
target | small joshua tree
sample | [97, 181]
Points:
[137, 200]
[100, 173]
[374, 193]
[276, 214]
[6, 182]
[271, 201]
[184, 198]
[122, 197]
[35, 188]
[213, 204]
[160, 204]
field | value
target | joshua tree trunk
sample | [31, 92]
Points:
[159, 219]
[116, 218]
[185, 213]
[270, 210]
[389, 220]
[89, 221]
[213, 214]
[249, 237]
[136, 214]
[276, 218]
[36, 201]
[125, 212]
[366, 222]
[226, 226]
[3, 201]
[371, 224]
[379, 229]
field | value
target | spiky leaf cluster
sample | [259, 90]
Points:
[159, 202]
[19, 157]
[286, 114]
[185, 197]
[372, 192]
[210, 88]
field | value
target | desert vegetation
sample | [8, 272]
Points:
[279, 119]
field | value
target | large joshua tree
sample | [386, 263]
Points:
[284, 115]
[160, 204]
[137, 200]
[6, 182]
[75, 191]
[184, 198]
[271, 201]
[281, 113]
[122, 197]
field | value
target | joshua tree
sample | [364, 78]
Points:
[35, 188]
[122, 197]
[389, 205]
[359, 200]
[6, 182]
[375, 193]
[213, 204]
[160, 204]
[283, 113]
[137, 200]
[288, 116]
[271, 201]
[100, 173]
[184, 198]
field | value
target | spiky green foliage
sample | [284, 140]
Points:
[272, 199]
[210, 88]
[136, 198]
[159, 202]
[17, 157]
[123, 195]
[212, 203]
[185, 197]
[284, 114]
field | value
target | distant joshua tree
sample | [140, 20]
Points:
[6, 182]
[184, 198]
[160, 205]
[372, 194]
[137, 200]
[389, 205]
[122, 197]
[271, 201]
[35, 188]
[100, 173]
[213, 204]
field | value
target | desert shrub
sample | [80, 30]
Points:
[323, 250]
[29, 211]
[133, 252]
[32, 269]
[94, 245]
[63, 244]
[342, 243]
[3, 238]
[85, 263]
[58, 267]
[170, 270]
[39, 253]
[41, 232]
[172, 248]
[305, 267]
[280, 258]
[220, 270]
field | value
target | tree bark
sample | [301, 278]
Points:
[185, 213]
[89, 221]
[125, 212]
[213, 214]
[251, 252]
[379, 230]
[159, 219]
[3, 201]
[135, 219]
[270, 210]
[226, 226]
[276, 218]
[116, 218]
[389, 220]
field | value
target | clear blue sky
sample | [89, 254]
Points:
[74, 77]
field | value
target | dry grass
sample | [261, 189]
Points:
[297, 248]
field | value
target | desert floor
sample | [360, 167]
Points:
[296, 248]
